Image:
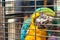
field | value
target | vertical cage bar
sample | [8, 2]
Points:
[3, 13]
[35, 15]
[55, 7]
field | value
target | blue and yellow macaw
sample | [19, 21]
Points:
[29, 29]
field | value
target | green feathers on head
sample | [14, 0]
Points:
[47, 11]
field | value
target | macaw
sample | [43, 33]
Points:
[32, 31]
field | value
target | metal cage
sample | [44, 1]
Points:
[14, 12]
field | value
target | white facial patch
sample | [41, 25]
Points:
[42, 18]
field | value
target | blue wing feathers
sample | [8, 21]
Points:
[24, 28]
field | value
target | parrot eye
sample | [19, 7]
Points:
[49, 17]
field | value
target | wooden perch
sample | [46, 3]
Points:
[45, 3]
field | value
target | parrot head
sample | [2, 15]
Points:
[43, 16]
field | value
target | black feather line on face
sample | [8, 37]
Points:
[40, 26]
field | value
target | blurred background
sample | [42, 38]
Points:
[14, 12]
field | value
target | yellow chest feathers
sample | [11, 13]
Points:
[34, 30]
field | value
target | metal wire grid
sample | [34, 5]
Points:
[13, 28]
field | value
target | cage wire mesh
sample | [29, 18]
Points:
[13, 14]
